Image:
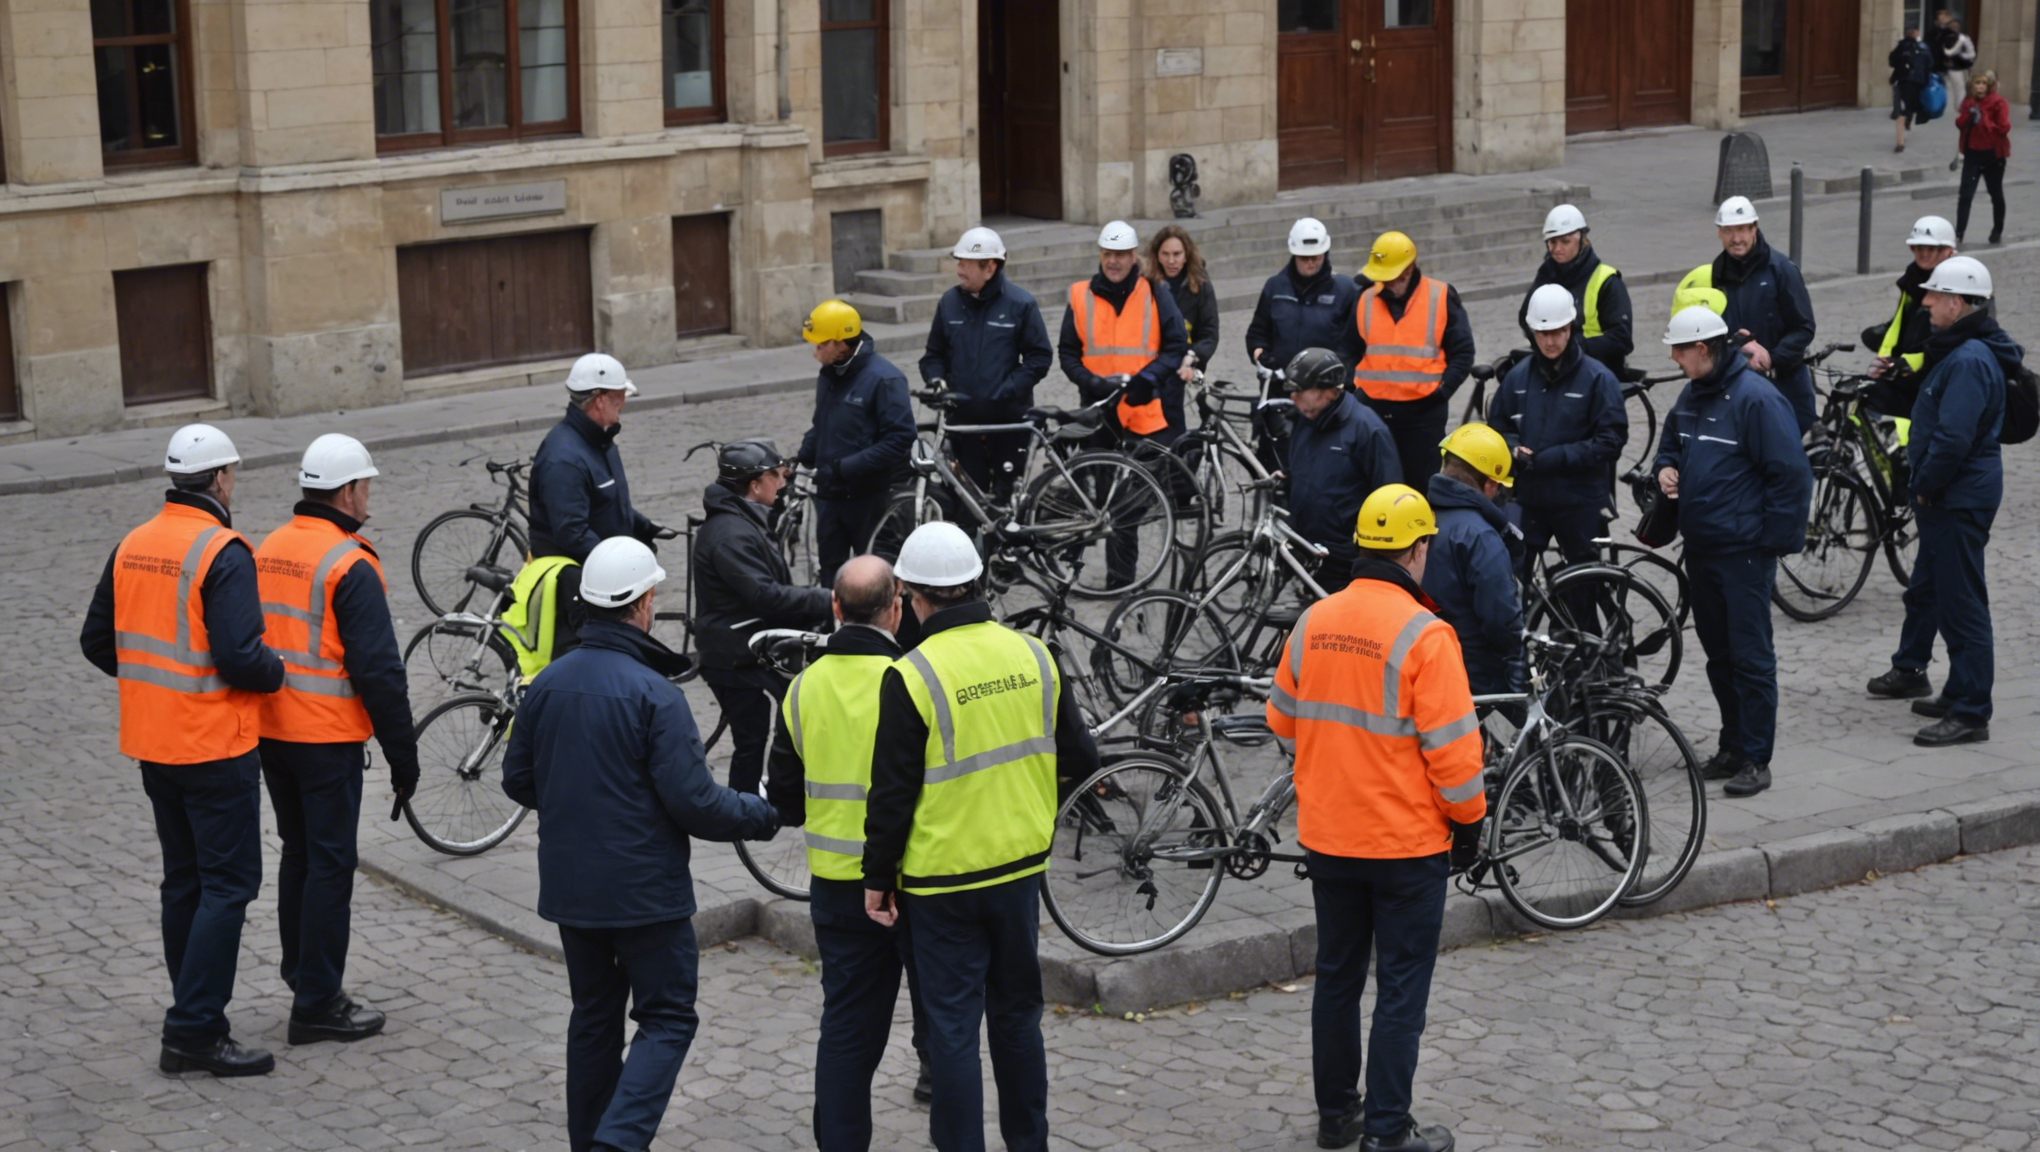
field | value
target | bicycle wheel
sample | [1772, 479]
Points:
[450, 656]
[1072, 651]
[454, 542]
[1569, 835]
[1901, 546]
[1667, 771]
[1656, 570]
[1136, 860]
[1157, 632]
[459, 807]
[1192, 519]
[1101, 520]
[903, 513]
[794, 532]
[1841, 545]
[780, 864]
[1629, 626]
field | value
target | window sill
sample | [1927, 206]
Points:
[872, 170]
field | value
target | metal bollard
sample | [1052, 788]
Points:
[1798, 216]
[1863, 226]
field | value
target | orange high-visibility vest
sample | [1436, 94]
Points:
[174, 708]
[1405, 358]
[1372, 687]
[298, 567]
[1128, 342]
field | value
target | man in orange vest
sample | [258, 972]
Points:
[1416, 348]
[1389, 800]
[177, 620]
[1119, 334]
[325, 603]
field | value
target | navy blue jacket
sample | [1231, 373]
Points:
[742, 583]
[1767, 296]
[992, 347]
[1569, 413]
[1471, 574]
[1294, 314]
[605, 748]
[1953, 445]
[863, 425]
[1744, 483]
[1335, 461]
[579, 496]
[1158, 379]
[1617, 339]
[229, 598]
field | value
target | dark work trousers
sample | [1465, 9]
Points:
[610, 1099]
[1395, 909]
[976, 953]
[861, 967]
[1574, 528]
[1989, 167]
[1947, 594]
[1731, 594]
[209, 822]
[843, 529]
[1418, 427]
[1335, 571]
[316, 791]
[749, 699]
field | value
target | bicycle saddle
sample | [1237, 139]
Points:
[1084, 418]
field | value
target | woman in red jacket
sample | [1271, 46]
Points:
[1986, 124]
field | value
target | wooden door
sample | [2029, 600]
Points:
[1628, 64]
[1363, 90]
[165, 326]
[701, 274]
[1798, 55]
[1020, 108]
[503, 300]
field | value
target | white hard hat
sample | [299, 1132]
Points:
[618, 571]
[1307, 237]
[1563, 220]
[597, 372]
[980, 243]
[334, 460]
[197, 448]
[1735, 210]
[1118, 236]
[938, 555]
[1694, 323]
[1960, 276]
[1931, 232]
[1551, 307]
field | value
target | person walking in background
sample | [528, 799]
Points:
[1961, 58]
[1985, 121]
[1175, 264]
[1911, 63]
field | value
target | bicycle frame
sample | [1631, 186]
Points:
[1273, 541]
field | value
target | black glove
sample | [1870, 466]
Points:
[1465, 846]
[829, 475]
[404, 781]
[1140, 390]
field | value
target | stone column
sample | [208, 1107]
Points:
[53, 132]
[1717, 63]
[1508, 84]
[622, 59]
[67, 344]
[935, 104]
[2007, 47]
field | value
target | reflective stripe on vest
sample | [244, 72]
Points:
[1117, 351]
[175, 708]
[1405, 359]
[1590, 304]
[833, 723]
[1893, 329]
[299, 567]
[530, 621]
[988, 797]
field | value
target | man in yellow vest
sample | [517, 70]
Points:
[1120, 334]
[326, 607]
[976, 727]
[1416, 347]
[1598, 293]
[177, 619]
[823, 748]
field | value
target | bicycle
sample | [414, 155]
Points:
[452, 543]
[1860, 506]
[1634, 629]
[1220, 459]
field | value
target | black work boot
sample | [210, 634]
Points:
[1436, 1138]
[1753, 778]
[345, 1020]
[924, 1084]
[1933, 707]
[1901, 684]
[1722, 765]
[1341, 1131]
[1948, 731]
[223, 1057]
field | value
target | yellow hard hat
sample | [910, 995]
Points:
[831, 320]
[1392, 252]
[1483, 449]
[1394, 517]
[1698, 288]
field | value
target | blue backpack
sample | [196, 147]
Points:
[1933, 99]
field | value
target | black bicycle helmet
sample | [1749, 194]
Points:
[742, 461]
[1316, 368]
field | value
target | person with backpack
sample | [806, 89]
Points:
[1912, 64]
[1958, 481]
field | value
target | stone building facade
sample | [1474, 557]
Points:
[283, 206]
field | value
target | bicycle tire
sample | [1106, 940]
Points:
[1191, 518]
[450, 544]
[1630, 620]
[1842, 533]
[1551, 841]
[793, 531]
[1072, 651]
[451, 656]
[905, 512]
[1157, 632]
[1098, 512]
[1901, 546]
[459, 807]
[1667, 771]
[1136, 859]
[779, 865]
[1667, 576]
